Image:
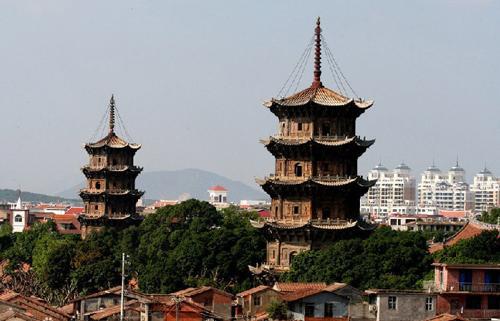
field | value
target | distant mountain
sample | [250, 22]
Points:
[195, 182]
[10, 195]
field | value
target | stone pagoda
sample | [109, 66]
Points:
[315, 189]
[110, 196]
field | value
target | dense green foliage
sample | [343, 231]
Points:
[277, 310]
[484, 248]
[189, 244]
[386, 259]
[492, 217]
[192, 244]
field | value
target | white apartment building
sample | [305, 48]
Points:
[394, 192]
[486, 190]
[444, 191]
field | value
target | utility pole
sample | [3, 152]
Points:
[122, 296]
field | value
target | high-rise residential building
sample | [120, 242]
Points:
[110, 196]
[394, 192]
[315, 189]
[486, 190]
[444, 191]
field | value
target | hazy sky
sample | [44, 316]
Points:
[190, 77]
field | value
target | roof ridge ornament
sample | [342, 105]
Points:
[112, 114]
[317, 56]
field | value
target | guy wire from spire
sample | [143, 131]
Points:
[335, 74]
[295, 70]
[302, 69]
[337, 67]
[100, 128]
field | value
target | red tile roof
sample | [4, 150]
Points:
[75, 210]
[257, 289]
[297, 295]
[292, 287]
[447, 317]
[453, 214]
[218, 188]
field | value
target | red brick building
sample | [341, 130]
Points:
[470, 290]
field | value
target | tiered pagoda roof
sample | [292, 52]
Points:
[319, 95]
[277, 185]
[278, 145]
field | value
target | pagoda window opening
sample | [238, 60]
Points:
[98, 185]
[276, 211]
[298, 170]
[96, 208]
[299, 126]
[296, 210]
[326, 130]
[326, 213]
[114, 162]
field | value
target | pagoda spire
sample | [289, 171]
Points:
[317, 56]
[112, 114]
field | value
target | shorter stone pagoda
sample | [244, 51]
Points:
[110, 196]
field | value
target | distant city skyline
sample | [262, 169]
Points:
[189, 78]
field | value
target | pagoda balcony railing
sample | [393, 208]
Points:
[471, 287]
[332, 138]
[315, 221]
[325, 178]
[109, 190]
[112, 167]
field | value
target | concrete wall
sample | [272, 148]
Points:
[297, 308]
[409, 307]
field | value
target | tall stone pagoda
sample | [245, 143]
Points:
[110, 196]
[315, 189]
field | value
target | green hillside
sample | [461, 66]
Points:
[10, 195]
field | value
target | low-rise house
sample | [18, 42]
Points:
[36, 308]
[254, 302]
[186, 310]
[401, 305]
[214, 300]
[471, 290]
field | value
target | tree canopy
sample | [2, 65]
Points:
[492, 217]
[189, 244]
[484, 248]
[386, 259]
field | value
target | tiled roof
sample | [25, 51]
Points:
[115, 309]
[297, 295]
[447, 317]
[113, 141]
[189, 292]
[319, 95]
[218, 188]
[453, 214]
[253, 290]
[75, 210]
[292, 287]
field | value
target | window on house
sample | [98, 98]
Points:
[256, 301]
[309, 310]
[392, 302]
[429, 304]
[18, 218]
[328, 310]
[296, 210]
[473, 302]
